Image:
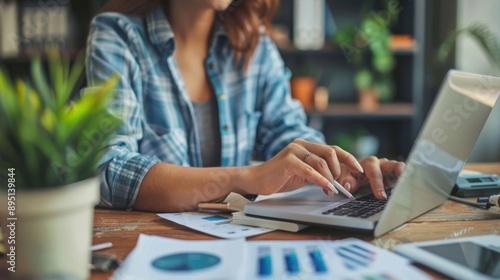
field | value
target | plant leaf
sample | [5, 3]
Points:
[74, 74]
[481, 34]
[7, 97]
[41, 85]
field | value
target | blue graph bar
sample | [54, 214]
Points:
[292, 262]
[265, 263]
[317, 260]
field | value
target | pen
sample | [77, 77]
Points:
[101, 246]
[341, 189]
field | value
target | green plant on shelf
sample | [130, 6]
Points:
[482, 35]
[366, 46]
[45, 137]
[358, 141]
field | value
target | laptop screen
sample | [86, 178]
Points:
[449, 133]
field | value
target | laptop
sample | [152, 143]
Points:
[448, 135]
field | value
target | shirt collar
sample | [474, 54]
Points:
[161, 34]
[159, 31]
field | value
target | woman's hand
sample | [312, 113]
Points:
[378, 173]
[303, 162]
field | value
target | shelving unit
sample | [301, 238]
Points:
[395, 124]
[390, 111]
[79, 17]
[331, 50]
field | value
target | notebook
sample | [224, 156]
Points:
[241, 219]
[235, 204]
[451, 129]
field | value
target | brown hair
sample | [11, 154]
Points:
[241, 20]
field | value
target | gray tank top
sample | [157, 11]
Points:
[207, 119]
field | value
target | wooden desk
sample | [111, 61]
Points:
[448, 221]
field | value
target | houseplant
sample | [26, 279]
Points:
[367, 48]
[358, 141]
[303, 86]
[481, 33]
[49, 148]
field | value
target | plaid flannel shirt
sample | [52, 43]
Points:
[256, 112]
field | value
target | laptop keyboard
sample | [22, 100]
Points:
[362, 207]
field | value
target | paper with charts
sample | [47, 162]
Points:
[164, 258]
[216, 224]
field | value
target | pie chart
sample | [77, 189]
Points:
[186, 262]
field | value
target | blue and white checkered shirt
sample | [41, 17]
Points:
[256, 112]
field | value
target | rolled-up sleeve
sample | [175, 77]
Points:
[122, 166]
[283, 118]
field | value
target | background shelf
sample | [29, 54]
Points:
[395, 124]
[417, 74]
[387, 111]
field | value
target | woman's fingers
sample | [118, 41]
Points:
[299, 168]
[320, 165]
[303, 161]
[392, 170]
[332, 156]
[374, 175]
[305, 164]
[381, 173]
[348, 159]
[325, 153]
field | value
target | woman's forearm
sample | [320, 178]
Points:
[173, 188]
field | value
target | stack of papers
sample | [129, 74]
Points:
[237, 259]
[241, 219]
[216, 224]
[214, 219]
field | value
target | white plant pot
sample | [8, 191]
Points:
[53, 230]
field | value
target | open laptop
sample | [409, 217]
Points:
[439, 153]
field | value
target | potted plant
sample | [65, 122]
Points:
[358, 141]
[303, 86]
[482, 35]
[367, 47]
[49, 149]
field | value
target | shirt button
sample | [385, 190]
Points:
[170, 46]
[211, 65]
[222, 96]
[225, 127]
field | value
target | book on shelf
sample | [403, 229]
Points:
[309, 24]
[235, 203]
[29, 27]
[9, 28]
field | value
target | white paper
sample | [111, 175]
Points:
[216, 224]
[140, 263]
[344, 259]
[240, 259]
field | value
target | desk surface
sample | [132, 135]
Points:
[447, 221]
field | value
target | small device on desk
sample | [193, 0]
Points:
[475, 257]
[473, 185]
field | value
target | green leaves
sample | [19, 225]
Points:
[363, 79]
[482, 35]
[367, 48]
[49, 141]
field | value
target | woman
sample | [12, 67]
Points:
[202, 90]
